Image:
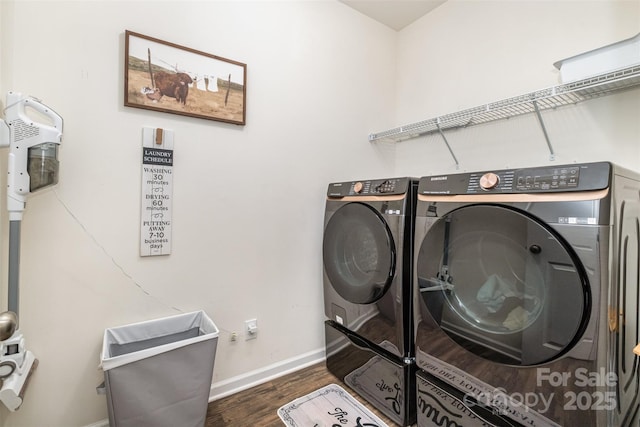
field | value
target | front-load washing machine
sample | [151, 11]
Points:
[526, 301]
[367, 257]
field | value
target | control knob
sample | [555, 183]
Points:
[489, 181]
[358, 186]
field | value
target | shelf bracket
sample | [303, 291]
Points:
[552, 155]
[447, 143]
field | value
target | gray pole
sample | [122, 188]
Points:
[14, 265]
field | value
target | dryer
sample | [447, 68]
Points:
[367, 258]
[526, 301]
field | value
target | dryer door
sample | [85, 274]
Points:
[359, 253]
[502, 284]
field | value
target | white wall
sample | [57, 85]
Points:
[248, 201]
[469, 53]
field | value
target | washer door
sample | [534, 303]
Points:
[502, 284]
[359, 253]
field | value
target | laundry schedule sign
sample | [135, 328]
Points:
[157, 185]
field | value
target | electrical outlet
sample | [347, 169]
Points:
[250, 329]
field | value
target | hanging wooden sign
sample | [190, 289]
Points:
[157, 188]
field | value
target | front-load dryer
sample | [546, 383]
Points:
[526, 301]
[367, 257]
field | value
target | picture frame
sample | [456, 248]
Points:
[170, 78]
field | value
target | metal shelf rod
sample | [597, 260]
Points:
[447, 144]
[552, 155]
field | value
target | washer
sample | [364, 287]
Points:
[367, 256]
[526, 301]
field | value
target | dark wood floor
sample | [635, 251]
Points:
[258, 406]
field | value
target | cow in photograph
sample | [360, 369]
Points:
[171, 85]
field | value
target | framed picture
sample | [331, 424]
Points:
[166, 77]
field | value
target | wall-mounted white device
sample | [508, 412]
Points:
[33, 132]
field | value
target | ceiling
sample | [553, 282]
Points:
[396, 14]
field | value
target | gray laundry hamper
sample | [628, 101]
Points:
[158, 373]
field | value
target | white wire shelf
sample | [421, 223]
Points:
[554, 97]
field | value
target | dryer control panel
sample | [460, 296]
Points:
[376, 187]
[547, 179]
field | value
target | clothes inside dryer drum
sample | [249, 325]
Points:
[509, 288]
[507, 292]
[358, 252]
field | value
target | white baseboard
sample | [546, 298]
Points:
[242, 382]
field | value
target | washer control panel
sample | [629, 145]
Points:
[577, 177]
[548, 179]
[376, 187]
